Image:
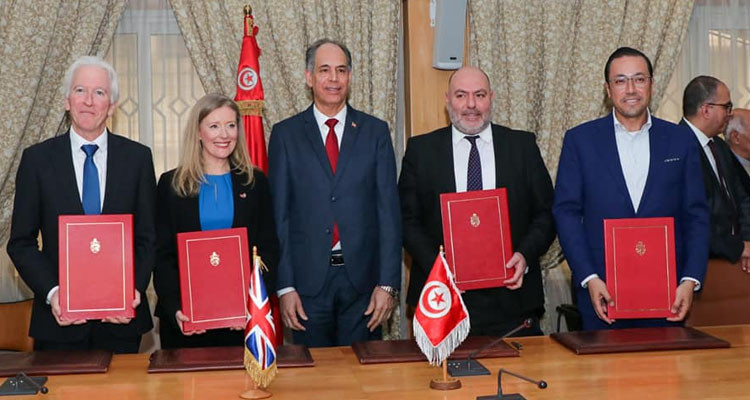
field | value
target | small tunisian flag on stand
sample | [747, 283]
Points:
[249, 95]
[441, 321]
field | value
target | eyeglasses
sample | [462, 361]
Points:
[638, 80]
[728, 106]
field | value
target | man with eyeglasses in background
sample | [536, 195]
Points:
[629, 164]
[707, 108]
[738, 139]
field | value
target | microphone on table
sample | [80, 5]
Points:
[472, 367]
[513, 396]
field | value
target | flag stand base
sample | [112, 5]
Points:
[255, 394]
[445, 384]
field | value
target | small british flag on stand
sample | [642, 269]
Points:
[260, 333]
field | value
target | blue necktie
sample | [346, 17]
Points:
[474, 171]
[90, 196]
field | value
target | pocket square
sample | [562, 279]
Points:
[667, 160]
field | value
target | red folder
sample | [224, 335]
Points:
[96, 266]
[476, 233]
[640, 267]
[214, 277]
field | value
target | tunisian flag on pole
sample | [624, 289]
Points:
[441, 321]
[249, 95]
[249, 99]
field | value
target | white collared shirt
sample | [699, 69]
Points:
[321, 119]
[100, 160]
[461, 149]
[704, 140]
[634, 150]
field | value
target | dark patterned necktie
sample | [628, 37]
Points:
[474, 172]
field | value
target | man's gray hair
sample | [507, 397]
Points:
[114, 91]
[736, 124]
[310, 53]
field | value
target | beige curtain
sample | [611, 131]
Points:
[545, 59]
[40, 39]
[213, 31]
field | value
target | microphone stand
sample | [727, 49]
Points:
[471, 367]
[512, 396]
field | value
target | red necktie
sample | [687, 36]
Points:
[332, 148]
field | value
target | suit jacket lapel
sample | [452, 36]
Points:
[116, 163]
[444, 159]
[240, 200]
[351, 128]
[312, 133]
[658, 145]
[606, 145]
[500, 147]
[62, 159]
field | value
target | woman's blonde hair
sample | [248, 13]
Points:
[189, 174]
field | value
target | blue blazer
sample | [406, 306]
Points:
[361, 197]
[591, 187]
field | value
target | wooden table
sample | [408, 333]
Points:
[695, 374]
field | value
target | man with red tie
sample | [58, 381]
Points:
[332, 173]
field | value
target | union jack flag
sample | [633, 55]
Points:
[260, 332]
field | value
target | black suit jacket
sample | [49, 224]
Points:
[46, 188]
[427, 171]
[725, 212]
[252, 210]
[742, 175]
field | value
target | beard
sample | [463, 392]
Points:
[465, 128]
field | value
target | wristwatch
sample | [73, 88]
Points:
[390, 290]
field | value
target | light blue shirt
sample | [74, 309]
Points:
[635, 155]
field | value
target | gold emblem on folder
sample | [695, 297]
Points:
[95, 246]
[640, 248]
[214, 259]
[475, 220]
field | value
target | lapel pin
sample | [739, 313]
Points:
[243, 195]
[354, 124]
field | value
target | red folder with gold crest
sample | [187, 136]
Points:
[96, 266]
[476, 234]
[640, 267]
[214, 277]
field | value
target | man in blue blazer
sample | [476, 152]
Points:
[332, 173]
[629, 164]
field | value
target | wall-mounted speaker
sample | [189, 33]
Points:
[450, 25]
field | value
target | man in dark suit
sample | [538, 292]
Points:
[441, 162]
[332, 173]
[87, 170]
[738, 138]
[707, 108]
[629, 164]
